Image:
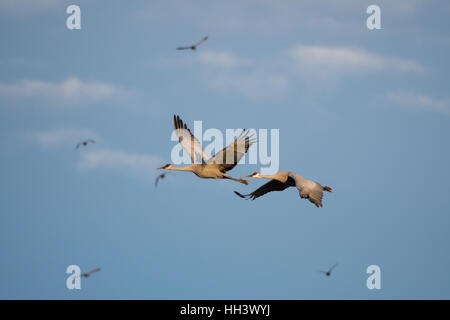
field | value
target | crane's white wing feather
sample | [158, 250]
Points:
[233, 153]
[189, 142]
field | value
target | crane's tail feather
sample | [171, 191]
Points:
[328, 189]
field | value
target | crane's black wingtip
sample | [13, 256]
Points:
[240, 195]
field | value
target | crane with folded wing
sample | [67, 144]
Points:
[308, 189]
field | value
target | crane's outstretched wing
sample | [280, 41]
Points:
[78, 145]
[201, 41]
[90, 140]
[183, 48]
[315, 196]
[189, 142]
[228, 157]
[272, 185]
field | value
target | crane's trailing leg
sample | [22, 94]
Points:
[238, 180]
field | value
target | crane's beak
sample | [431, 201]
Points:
[250, 176]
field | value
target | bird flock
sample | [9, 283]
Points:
[216, 167]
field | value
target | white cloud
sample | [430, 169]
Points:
[60, 137]
[337, 61]
[141, 165]
[419, 101]
[91, 157]
[273, 76]
[228, 72]
[70, 92]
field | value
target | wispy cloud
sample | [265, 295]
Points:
[60, 137]
[93, 157]
[140, 165]
[419, 101]
[228, 72]
[262, 78]
[70, 92]
[265, 77]
[249, 77]
[325, 61]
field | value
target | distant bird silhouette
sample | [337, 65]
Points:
[161, 176]
[328, 273]
[194, 47]
[84, 143]
[308, 189]
[88, 274]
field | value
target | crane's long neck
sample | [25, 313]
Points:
[263, 176]
[271, 177]
[185, 168]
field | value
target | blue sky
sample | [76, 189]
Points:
[365, 112]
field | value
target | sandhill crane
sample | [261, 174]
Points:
[194, 47]
[84, 143]
[202, 164]
[284, 179]
[328, 273]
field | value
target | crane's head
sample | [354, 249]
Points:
[254, 175]
[166, 167]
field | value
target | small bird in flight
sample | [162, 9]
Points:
[161, 176]
[328, 273]
[88, 274]
[194, 47]
[84, 143]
